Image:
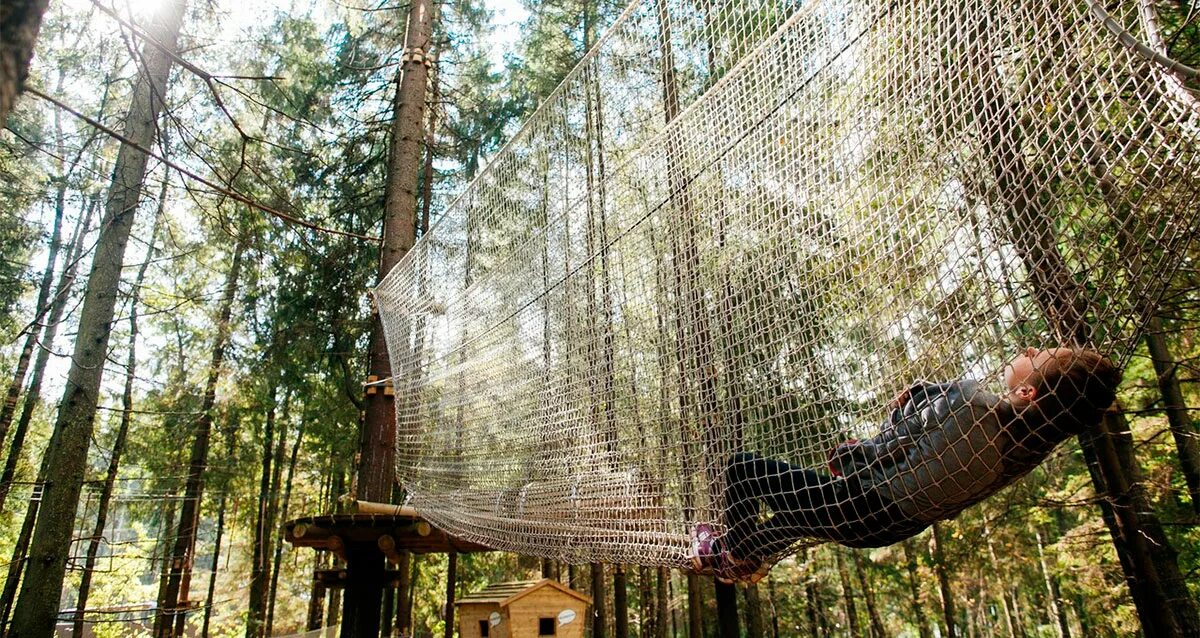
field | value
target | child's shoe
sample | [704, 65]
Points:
[706, 552]
[709, 557]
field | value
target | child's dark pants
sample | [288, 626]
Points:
[803, 504]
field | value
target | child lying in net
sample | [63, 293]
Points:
[944, 447]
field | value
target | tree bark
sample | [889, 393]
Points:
[847, 593]
[170, 618]
[1053, 593]
[727, 611]
[271, 526]
[216, 560]
[754, 617]
[16, 564]
[258, 560]
[868, 590]
[817, 621]
[316, 597]
[599, 603]
[20, 21]
[695, 607]
[378, 441]
[114, 461]
[451, 589]
[335, 604]
[943, 576]
[918, 610]
[403, 619]
[283, 515]
[1011, 621]
[41, 590]
[1165, 606]
[163, 545]
[1187, 439]
[662, 600]
[620, 603]
[430, 140]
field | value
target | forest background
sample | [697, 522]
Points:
[235, 319]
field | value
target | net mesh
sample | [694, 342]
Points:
[737, 230]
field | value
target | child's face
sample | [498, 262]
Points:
[1018, 371]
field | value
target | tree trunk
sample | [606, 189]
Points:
[728, 625]
[430, 140]
[162, 550]
[774, 613]
[316, 597]
[16, 564]
[335, 604]
[20, 21]
[33, 392]
[1053, 595]
[403, 616]
[847, 593]
[943, 576]
[169, 619]
[388, 611]
[599, 603]
[646, 605]
[41, 590]
[118, 448]
[212, 577]
[817, 623]
[1011, 622]
[695, 602]
[1160, 593]
[451, 589]
[1187, 440]
[918, 610]
[754, 619]
[620, 603]
[262, 535]
[860, 570]
[662, 601]
[283, 515]
[377, 444]
[410, 599]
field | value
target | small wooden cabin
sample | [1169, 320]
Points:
[524, 609]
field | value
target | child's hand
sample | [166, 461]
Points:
[843, 457]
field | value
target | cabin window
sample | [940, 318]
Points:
[484, 628]
[547, 626]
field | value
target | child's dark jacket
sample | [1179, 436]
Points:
[949, 446]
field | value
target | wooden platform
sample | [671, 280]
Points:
[391, 533]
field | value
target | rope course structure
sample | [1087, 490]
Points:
[740, 232]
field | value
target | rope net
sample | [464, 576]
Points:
[737, 231]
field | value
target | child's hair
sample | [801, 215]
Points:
[1074, 388]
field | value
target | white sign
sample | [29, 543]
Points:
[566, 616]
[494, 619]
